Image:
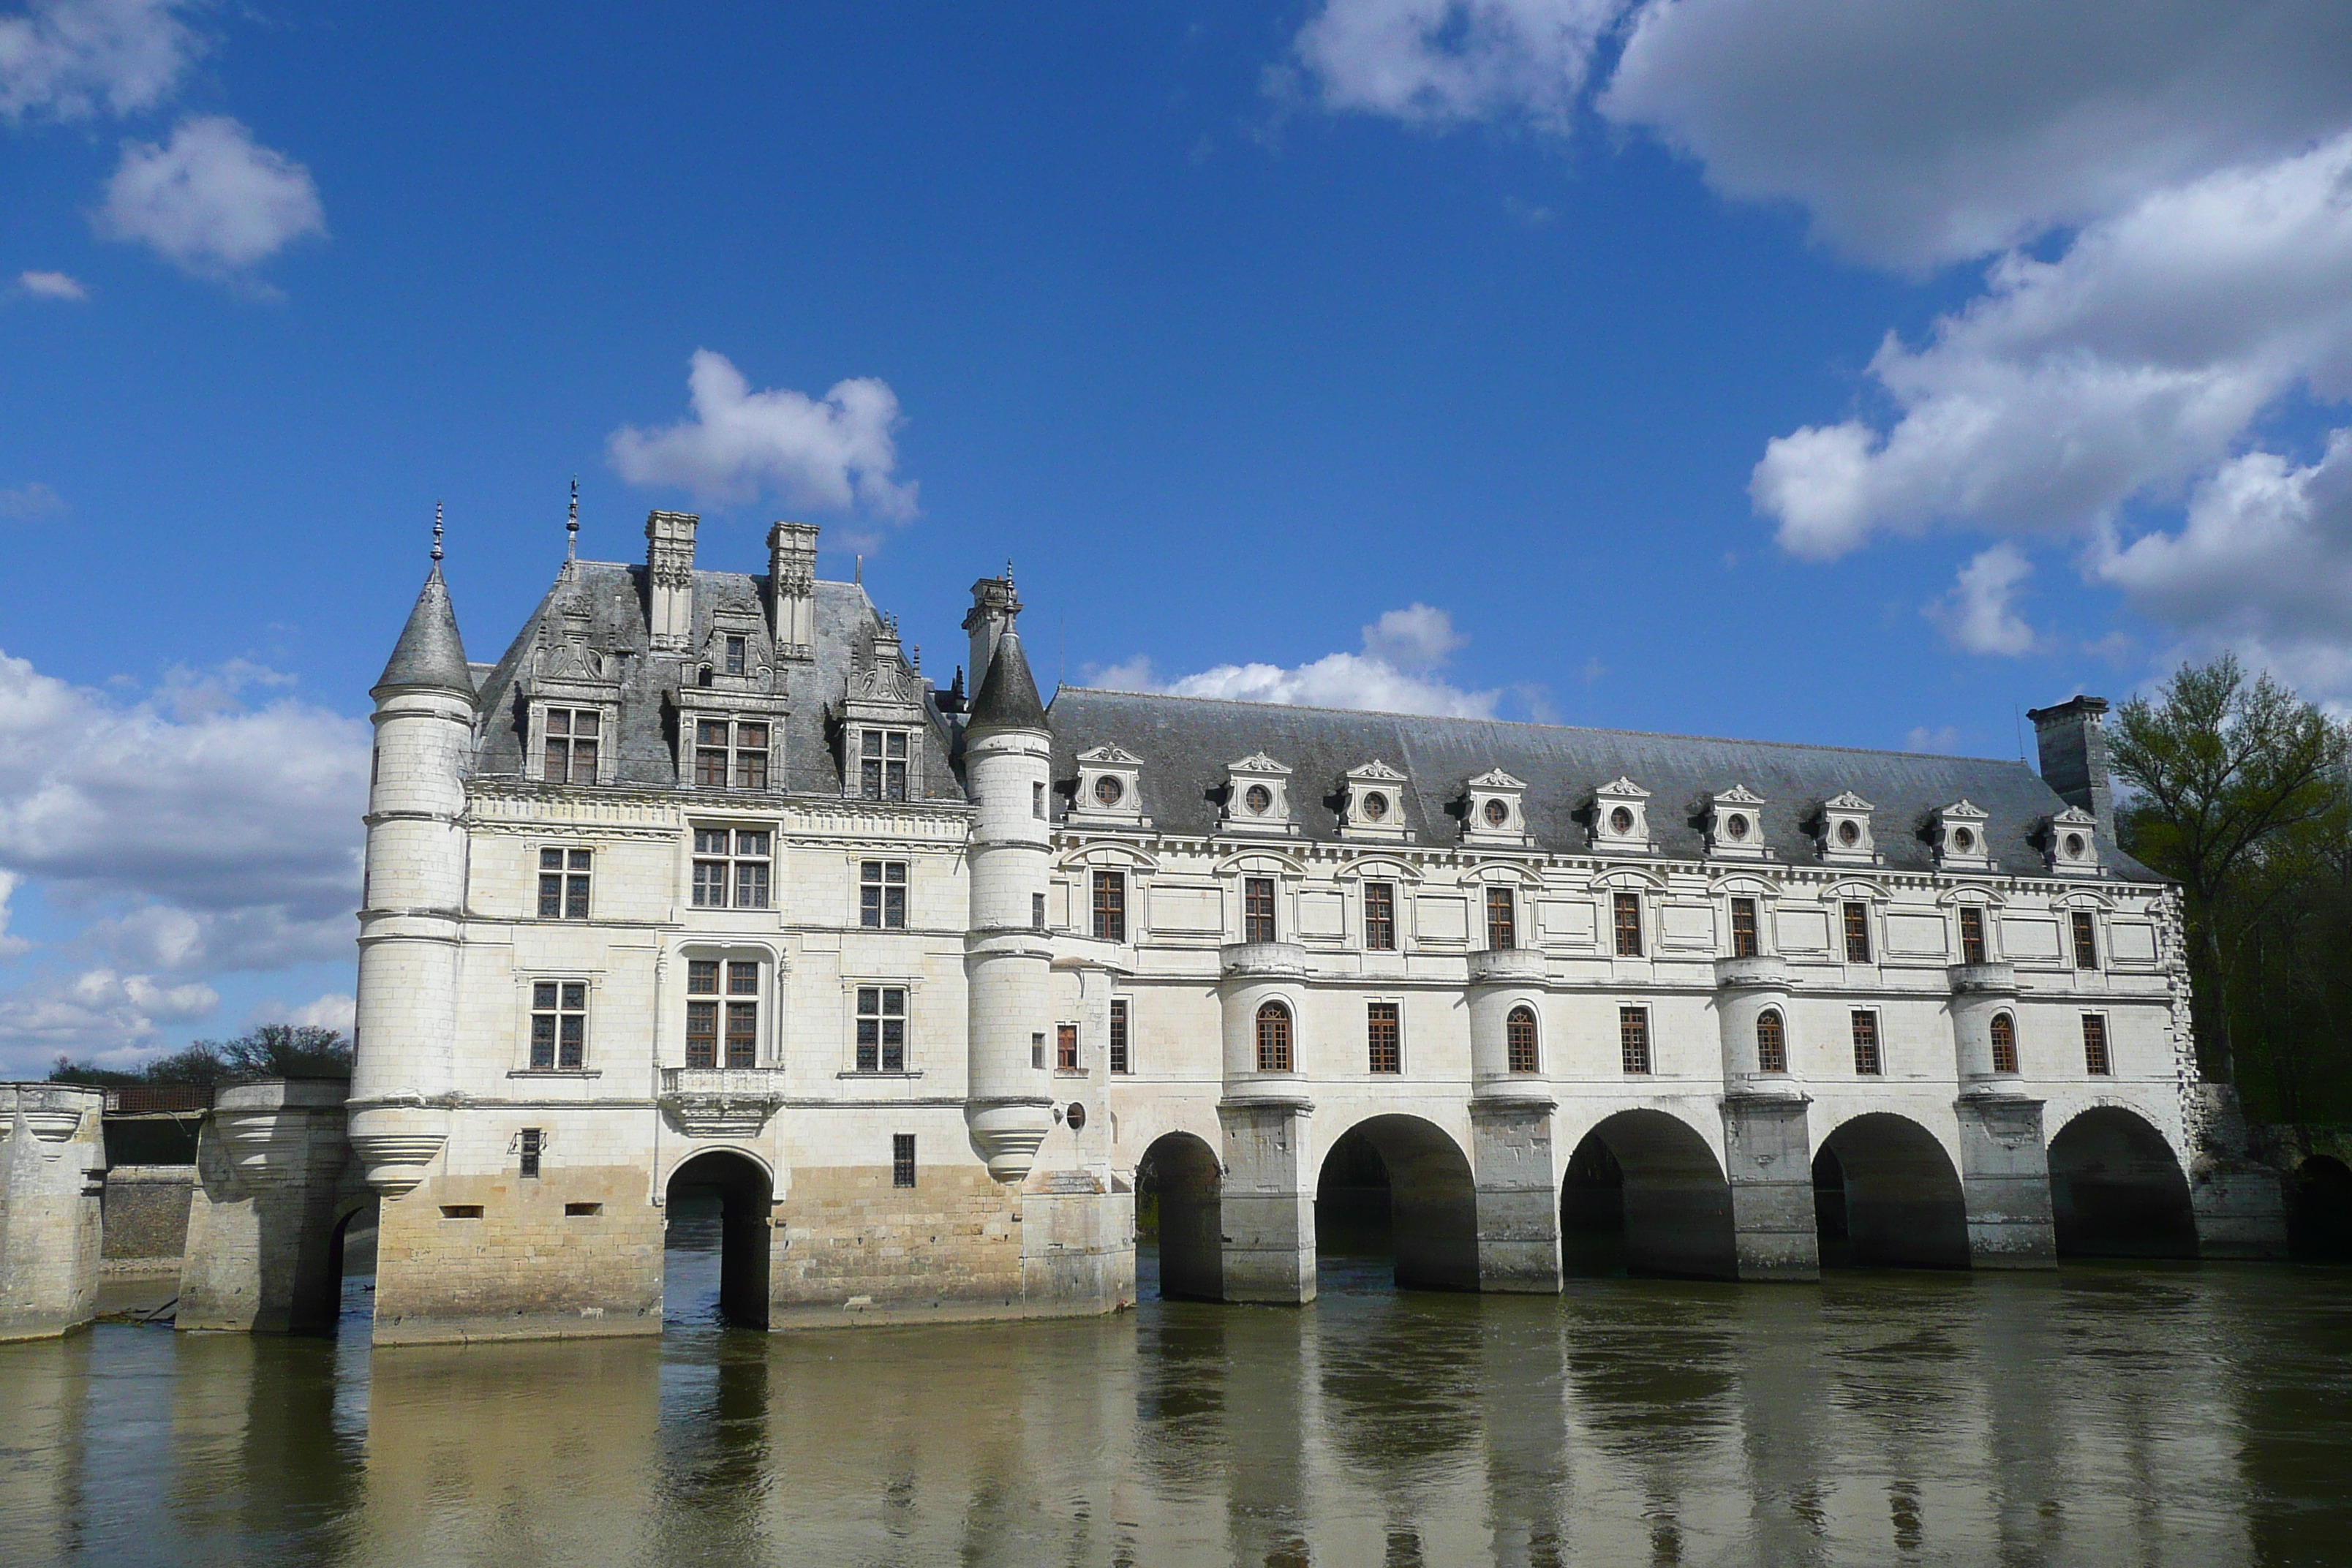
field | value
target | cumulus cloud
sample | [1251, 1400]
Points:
[1441, 61]
[333, 1011]
[71, 60]
[1945, 741]
[1979, 614]
[1396, 673]
[837, 453]
[211, 201]
[10, 946]
[99, 1008]
[51, 286]
[24, 503]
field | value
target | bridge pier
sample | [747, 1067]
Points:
[52, 1176]
[271, 1162]
[1519, 1195]
[1267, 1206]
[2005, 1182]
[1767, 1161]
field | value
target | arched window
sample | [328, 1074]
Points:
[1519, 1037]
[2004, 1043]
[1771, 1042]
[1274, 1038]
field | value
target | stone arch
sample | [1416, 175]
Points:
[1886, 1193]
[746, 1190]
[2116, 1189]
[1181, 1184]
[1644, 1192]
[359, 1217]
[1432, 1201]
[2319, 1210]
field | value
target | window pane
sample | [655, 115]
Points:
[543, 994]
[1772, 1044]
[584, 762]
[894, 785]
[702, 1033]
[895, 871]
[587, 721]
[702, 976]
[550, 860]
[743, 978]
[1857, 933]
[1633, 1040]
[711, 841]
[710, 884]
[1380, 916]
[1866, 1045]
[750, 770]
[870, 744]
[1743, 927]
[742, 1033]
[2095, 1047]
[580, 859]
[558, 720]
[574, 1053]
[869, 1000]
[1629, 926]
[1501, 929]
[896, 745]
[894, 908]
[575, 899]
[1381, 1036]
[710, 732]
[710, 771]
[1066, 1046]
[2004, 1043]
[1519, 1039]
[751, 886]
[894, 1001]
[543, 1040]
[550, 897]
[557, 760]
[869, 871]
[869, 907]
[575, 995]
[750, 843]
[1118, 1060]
[2086, 940]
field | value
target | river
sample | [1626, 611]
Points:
[2100, 1415]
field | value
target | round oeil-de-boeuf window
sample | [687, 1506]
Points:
[1963, 840]
[1620, 821]
[1259, 799]
[1734, 827]
[1376, 806]
[1848, 834]
[2074, 845]
[1497, 813]
[1109, 791]
[1076, 1118]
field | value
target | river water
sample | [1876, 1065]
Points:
[2102, 1415]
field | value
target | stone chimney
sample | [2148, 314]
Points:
[670, 580]
[792, 588]
[993, 607]
[2073, 743]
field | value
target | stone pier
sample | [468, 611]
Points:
[52, 1177]
[1268, 1205]
[271, 1163]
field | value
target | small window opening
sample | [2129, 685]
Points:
[582, 1211]
[461, 1211]
[1629, 925]
[1743, 927]
[1038, 801]
[531, 1142]
[1274, 1053]
[1037, 912]
[1119, 1061]
[1857, 933]
[1380, 916]
[1972, 935]
[2004, 1043]
[1382, 1036]
[1866, 1061]
[2095, 1047]
[1771, 1042]
[1502, 925]
[1258, 909]
[737, 651]
[1633, 1040]
[2086, 940]
[1037, 1050]
[1519, 1039]
[1066, 1047]
[564, 877]
[902, 1159]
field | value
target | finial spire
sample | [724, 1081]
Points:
[437, 532]
[572, 524]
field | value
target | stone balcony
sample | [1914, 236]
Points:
[1766, 971]
[721, 1102]
[1508, 966]
[1987, 979]
[1262, 960]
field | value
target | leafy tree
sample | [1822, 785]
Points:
[271, 1050]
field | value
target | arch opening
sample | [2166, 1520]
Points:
[1398, 1187]
[1643, 1195]
[350, 1266]
[2117, 1191]
[1180, 1219]
[2319, 1211]
[1886, 1195]
[715, 1242]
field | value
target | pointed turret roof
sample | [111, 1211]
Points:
[429, 653]
[1008, 698]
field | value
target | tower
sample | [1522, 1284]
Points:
[411, 900]
[1008, 767]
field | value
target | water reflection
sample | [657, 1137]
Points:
[2169, 1414]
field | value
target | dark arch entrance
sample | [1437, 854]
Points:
[716, 1202]
[1399, 1184]
[1178, 1206]
[1886, 1195]
[2115, 1190]
[2319, 1211]
[351, 1262]
[1645, 1195]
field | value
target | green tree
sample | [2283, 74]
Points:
[271, 1050]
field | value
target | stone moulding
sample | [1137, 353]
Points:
[721, 1102]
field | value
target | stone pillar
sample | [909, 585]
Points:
[52, 1178]
[2005, 1181]
[1768, 1156]
[1268, 1207]
[1518, 1193]
[2240, 1204]
[261, 1222]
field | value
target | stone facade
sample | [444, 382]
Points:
[146, 1216]
[52, 1172]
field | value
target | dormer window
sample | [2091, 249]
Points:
[1736, 826]
[1257, 795]
[573, 737]
[731, 753]
[1257, 800]
[2072, 843]
[1844, 831]
[737, 657]
[1621, 818]
[1109, 792]
[1959, 836]
[1373, 803]
[1108, 786]
[1492, 812]
[882, 761]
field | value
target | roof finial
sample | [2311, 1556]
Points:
[437, 532]
[572, 524]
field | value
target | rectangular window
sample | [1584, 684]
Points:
[882, 895]
[737, 654]
[1972, 941]
[731, 868]
[1380, 916]
[1857, 933]
[1502, 923]
[1866, 1061]
[706, 1044]
[530, 1144]
[882, 765]
[1381, 1037]
[731, 753]
[742, 1013]
[1066, 1047]
[564, 884]
[572, 736]
[881, 1029]
[1629, 925]
[2095, 1061]
[902, 1159]
[559, 1025]
[2086, 940]
[1119, 1061]
[1037, 1050]
[1111, 906]
[1037, 912]
[702, 1013]
[1633, 1040]
[1743, 927]
[1038, 801]
[1258, 909]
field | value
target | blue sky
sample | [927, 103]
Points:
[1554, 325]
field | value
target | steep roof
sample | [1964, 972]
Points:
[1008, 697]
[1187, 742]
[429, 653]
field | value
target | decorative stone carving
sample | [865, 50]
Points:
[1495, 812]
[1841, 831]
[1620, 819]
[721, 1102]
[1372, 804]
[1958, 835]
[1735, 825]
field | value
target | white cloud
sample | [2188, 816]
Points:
[1946, 741]
[837, 453]
[70, 59]
[51, 286]
[10, 946]
[1441, 62]
[1394, 674]
[1979, 614]
[335, 1011]
[211, 201]
[99, 1008]
[27, 501]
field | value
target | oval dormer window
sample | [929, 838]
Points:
[1963, 840]
[1734, 827]
[2074, 846]
[1497, 813]
[1376, 806]
[1259, 799]
[1848, 834]
[1108, 791]
[1620, 821]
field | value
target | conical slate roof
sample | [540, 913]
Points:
[430, 653]
[1008, 698]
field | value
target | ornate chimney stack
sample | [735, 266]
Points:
[670, 580]
[792, 588]
[2073, 745]
[994, 605]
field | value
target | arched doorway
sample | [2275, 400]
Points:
[1179, 1211]
[351, 1263]
[1399, 1185]
[715, 1241]
[2117, 1191]
[1886, 1193]
[2319, 1211]
[1643, 1195]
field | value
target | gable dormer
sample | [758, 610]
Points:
[1620, 819]
[1495, 810]
[572, 705]
[2071, 843]
[1957, 833]
[1257, 797]
[1735, 825]
[1109, 788]
[731, 706]
[882, 721]
[1372, 805]
[1842, 832]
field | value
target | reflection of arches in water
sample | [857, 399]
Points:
[1399, 1184]
[1643, 1195]
[2117, 1191]
[1179, 1205]
[351, 1260]
[717, 1202]
[1885, 1193]
[2319, 1211]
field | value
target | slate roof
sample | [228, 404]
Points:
[610, 597]
[1187, 742]
[1008, 697]
[429, 652]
